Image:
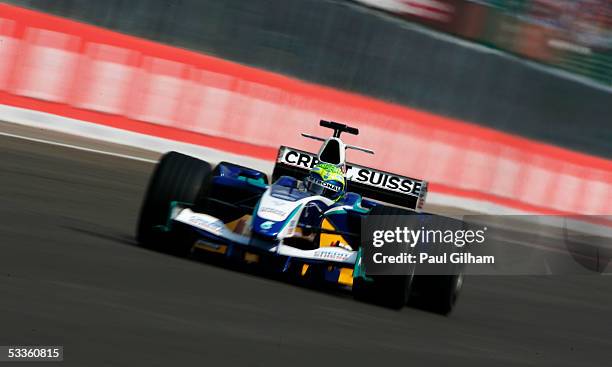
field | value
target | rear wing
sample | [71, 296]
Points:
[368, 182]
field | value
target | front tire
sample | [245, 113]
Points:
[177, 177]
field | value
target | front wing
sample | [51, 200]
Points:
[215, 236]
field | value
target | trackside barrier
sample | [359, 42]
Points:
[80, 71]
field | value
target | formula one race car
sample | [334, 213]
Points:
[306, 223]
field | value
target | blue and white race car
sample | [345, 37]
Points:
[307, 223]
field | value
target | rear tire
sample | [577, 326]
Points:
[390, 291]
[437, 287]
[437, 293]
[387, 290]
[177, 177]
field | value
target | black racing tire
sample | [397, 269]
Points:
[437, 287]
[437, 293]
[392, 291]
[177, 177]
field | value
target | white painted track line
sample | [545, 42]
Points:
[50, 142]
[101, 133]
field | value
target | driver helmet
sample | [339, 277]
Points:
[326, 180]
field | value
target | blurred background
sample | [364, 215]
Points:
[504, 107]
[537, 68]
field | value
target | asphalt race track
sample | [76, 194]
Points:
[72, 275]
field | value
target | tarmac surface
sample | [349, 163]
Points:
[72, 274]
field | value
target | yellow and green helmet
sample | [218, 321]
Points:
[326, 180]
